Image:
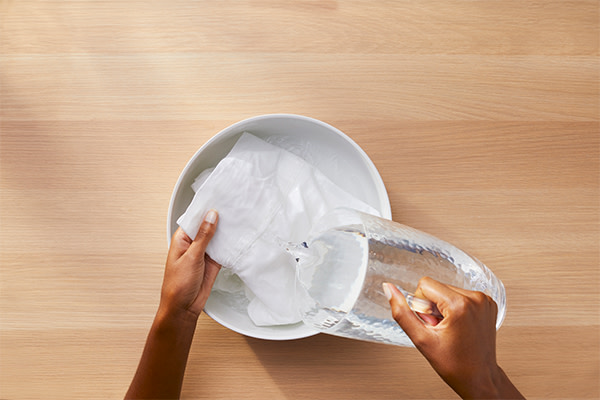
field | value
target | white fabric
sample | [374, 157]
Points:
[265, 196]
[200, 179]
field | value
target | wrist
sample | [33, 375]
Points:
[505, 388]
[492, 385]
[168, 318]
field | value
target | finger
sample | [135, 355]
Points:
[404, 316]
[451, 294]
[211, 271]
[205, 233]
[441, 294]
[464, 292]
[180, 242]
[429, 319]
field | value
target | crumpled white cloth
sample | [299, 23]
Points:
[265, 196]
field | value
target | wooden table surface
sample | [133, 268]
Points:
[481, 116]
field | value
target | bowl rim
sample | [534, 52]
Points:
[385, 205]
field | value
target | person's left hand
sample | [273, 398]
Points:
[189, 272]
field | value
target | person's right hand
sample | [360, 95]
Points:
[461, 347]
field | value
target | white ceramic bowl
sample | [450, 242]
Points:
[327, 148]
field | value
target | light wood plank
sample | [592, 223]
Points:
[481, 116]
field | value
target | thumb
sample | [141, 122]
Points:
[205, 233]
[404, 316]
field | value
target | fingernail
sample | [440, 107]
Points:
[211, 217]
[387, 291]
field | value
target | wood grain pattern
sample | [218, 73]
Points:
[481, 116]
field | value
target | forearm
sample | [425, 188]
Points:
[505, 388]
[496, 385]
[162, 366]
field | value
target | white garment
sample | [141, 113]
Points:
[265, 196]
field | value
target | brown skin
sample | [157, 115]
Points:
[461, 347]
[189, 277]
